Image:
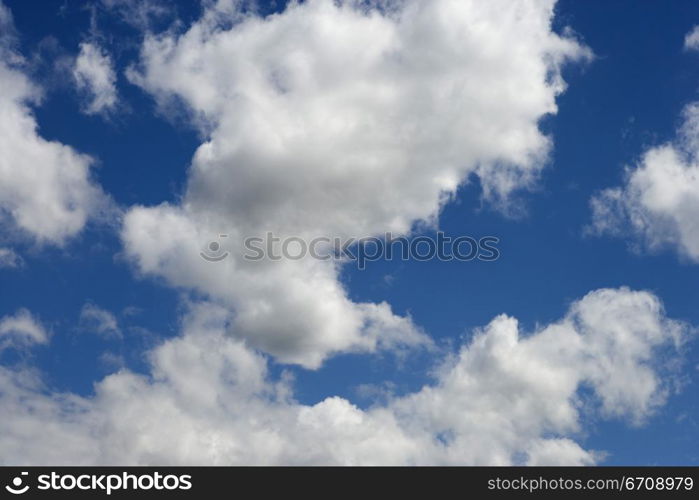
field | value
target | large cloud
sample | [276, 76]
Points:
[340, 119]
[45, 186]
[505, 397]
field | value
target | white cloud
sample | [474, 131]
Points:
[657, 204]
[296, 310]
[94, 319]
[691, 41]
[141, 14]
[7, 28]
[21, 329]
[659, 200]
[9, 258]
[95, 77]
[340, 119]
[505, 397]
[45, 186]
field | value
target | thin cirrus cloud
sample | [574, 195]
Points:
[141, 14]
[340, 119]
[505, 397]
[46, 190]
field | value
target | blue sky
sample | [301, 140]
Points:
[625, 100]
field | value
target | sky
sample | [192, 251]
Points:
[132, 134]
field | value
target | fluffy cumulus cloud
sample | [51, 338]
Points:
[21, 329]
[95, 77]
[659, 200]
[505, 397]
[339, 119]
[45, 186]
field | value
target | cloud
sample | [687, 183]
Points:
[505, 397]
[21, 330]
[45, 186]
[94, 319]
[691, 41]
[656, 206]
[340, 119]
[659, 200]
[10, 259]
[141, 14]
[95, 77]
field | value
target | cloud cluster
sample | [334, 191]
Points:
[45, 186]
[95, 77]
[340, 119]
[505, 397]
